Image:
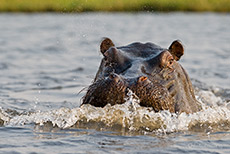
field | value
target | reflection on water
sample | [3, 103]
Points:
[47, 59]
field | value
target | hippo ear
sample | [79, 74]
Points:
[176, 49]
[105, 45]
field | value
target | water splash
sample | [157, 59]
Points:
[130, 116]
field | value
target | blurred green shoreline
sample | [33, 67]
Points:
[71, 6]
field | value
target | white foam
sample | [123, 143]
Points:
[132, 117]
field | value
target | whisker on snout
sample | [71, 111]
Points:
[83, 89]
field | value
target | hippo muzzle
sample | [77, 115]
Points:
[149, 71]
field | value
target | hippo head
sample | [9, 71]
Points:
[152, 73]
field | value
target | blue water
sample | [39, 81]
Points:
[48, 60]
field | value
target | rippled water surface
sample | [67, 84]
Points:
[47, 61]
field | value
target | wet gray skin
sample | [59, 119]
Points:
[152, 73]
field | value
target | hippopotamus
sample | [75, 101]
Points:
[150, 72]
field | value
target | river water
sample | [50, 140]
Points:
[48, 60]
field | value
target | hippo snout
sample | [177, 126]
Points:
[114, 89]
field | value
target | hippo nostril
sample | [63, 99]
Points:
[114, 77]
[142, 78]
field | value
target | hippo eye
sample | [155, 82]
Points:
[170, 62]
[166, 59]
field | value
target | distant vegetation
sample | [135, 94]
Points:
[113, 5]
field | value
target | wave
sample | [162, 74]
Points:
[214, 116]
